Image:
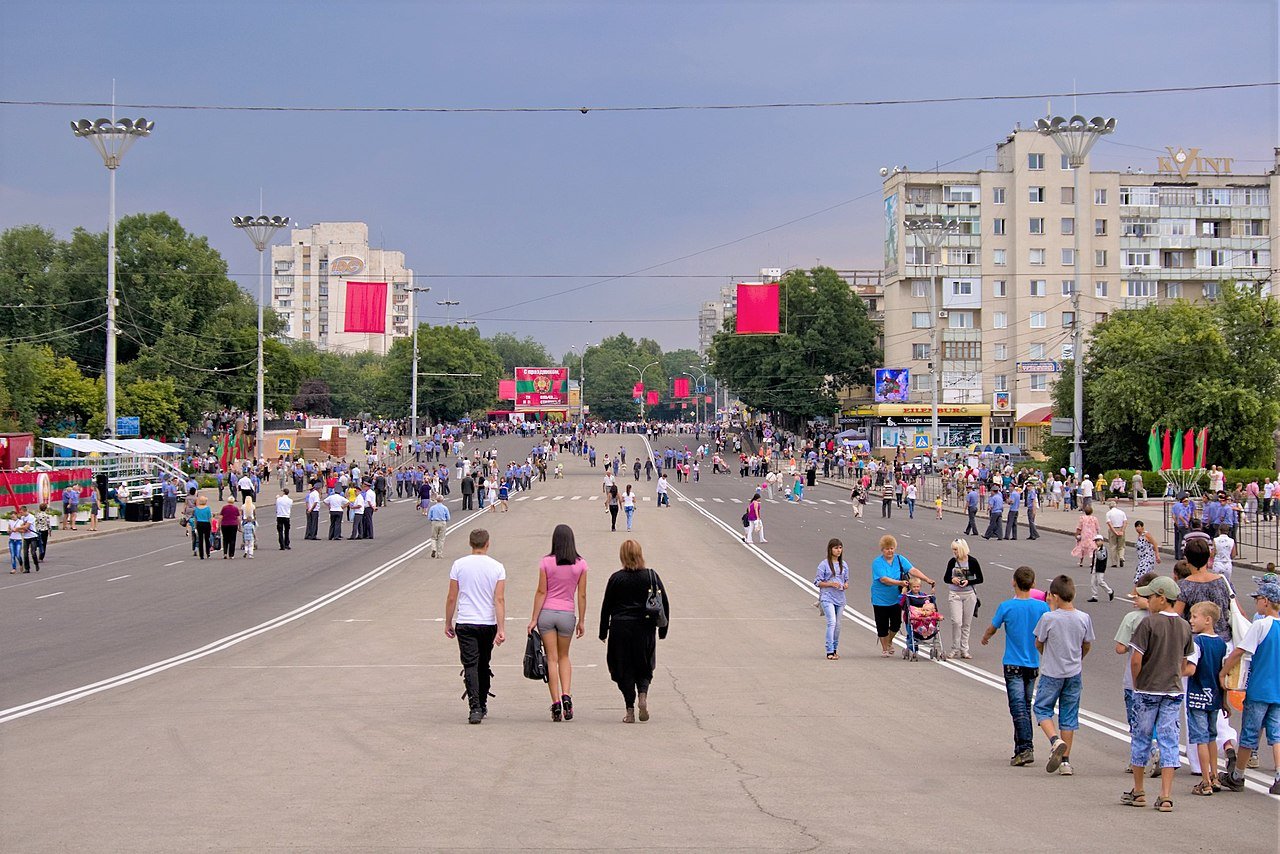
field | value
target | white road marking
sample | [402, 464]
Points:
[575, 497]
[175, 563]
[119, 577]
[349, 666]
[935, 545]
[47, 595]
[16, 585]
[825, 501]
[542, 498]
[593, 497]
[700, 500]
[351, 621]
[736, 500]
[558, 498]
[718, 500]
[646, 498]
[521, 498]
[1002, 566]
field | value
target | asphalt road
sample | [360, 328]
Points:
[341, 729]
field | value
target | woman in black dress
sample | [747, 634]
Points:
[632, 634]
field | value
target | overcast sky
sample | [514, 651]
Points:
[567, 194]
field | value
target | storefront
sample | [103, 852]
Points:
[899, 425]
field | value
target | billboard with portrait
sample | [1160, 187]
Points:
[892, 385]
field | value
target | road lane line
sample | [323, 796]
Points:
[47, 595]
[575, 497]
[558, 498]
[184, 542]
[542, 498]
[119, 577]
[718, 500]
[175, 563]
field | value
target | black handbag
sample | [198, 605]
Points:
[535, 658]
[653, 606]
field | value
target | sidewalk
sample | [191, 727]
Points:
[106, 527]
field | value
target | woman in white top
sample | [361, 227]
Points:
[629, 505]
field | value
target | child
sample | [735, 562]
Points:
[250, 529]
[1098, 575]
[1123, 635]
[921, 613]
[1204, 695]
[1163, 652]
[1262, 693]
[937, 506]
[1019, 617]
[1063, 638]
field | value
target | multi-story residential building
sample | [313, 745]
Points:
[309, 279]
[711, 317]
[1002, 289]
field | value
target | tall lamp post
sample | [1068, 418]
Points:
[260, 229]
[933, 232]
[582, 380]
[641, 372]
[1076, 137]
[112, 139]
[699, 382]
[413, 389]
[448, 307]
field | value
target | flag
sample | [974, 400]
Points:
[1166, 457]
[653, 398]
[1202, 447]
[1189, 449]
[707, 399]
[757, 309]
[1175, 459]
[637, 391]
[1153, 449]
[680, 387]
[684, 406]
[366, 307]
[506, 389]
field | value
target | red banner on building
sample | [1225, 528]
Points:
[680, 387]
[757, 309]
[366, 307]
[506, 389]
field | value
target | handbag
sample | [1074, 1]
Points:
[535, 658]
[653, 606]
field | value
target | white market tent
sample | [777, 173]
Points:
[114, 446]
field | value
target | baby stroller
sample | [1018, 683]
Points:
[921, 620]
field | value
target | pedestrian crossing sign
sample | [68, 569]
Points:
[922, 440]
[284, 446]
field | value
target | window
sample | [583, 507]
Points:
[1039, 382]
[1068, 319]
[1000, 382]
[1211, 229]
[1249, 228]
[1100, 289]
[1068, 225]
[1213, 258]
[1068, 195]
[997, 227]
[962, 351]
[1099, 197]
[1173, 290]
[1140, 288]
[960, 319]
[1099, 257]
[1036, 225]
[919, 320]
[1258, 196]
[1068, 257]
[1000, 257]
[999, 320]
[1035, 257]
[1134, 258]
[1038, 288]
[1036, 194]
[1035, 162]
[920, 352]
[1038, 320]
[1178, 227]
[1000, 288]
[1174, 258]
[919, 255]
[1214, 196]
[1140, 196]
[960, 193]
[1212, 290]
[1035, 351]
[997, 195]
[1066, 163]
[1068, 287]
[962, 287]
[1000, 352]
[1253, 258]
[920, 287]
[1137, 226]
[920, 382]
[969, 225]
[962, 256]
[1100, 228]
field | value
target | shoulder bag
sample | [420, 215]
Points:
[535, 658]
[653, 606]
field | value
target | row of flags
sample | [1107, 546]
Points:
[1178, 450]
[680, 389]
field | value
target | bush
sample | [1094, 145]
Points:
[1154, 482]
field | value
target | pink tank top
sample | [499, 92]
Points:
[562, 583]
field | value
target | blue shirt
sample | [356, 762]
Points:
[995, 503]
[1212, 513]
[971, 500]
[1203, 689]
[438, 513]
[1015, 502]
[1264, 668]
[887, 594]
[1019, 618]
[1181, 514]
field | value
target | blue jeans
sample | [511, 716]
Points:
[1159, 715]
[911, 508]
[631, 511]
[1202, 726]
[15, 552]
[1063, 693]
[1258, 715]
[832, 612]
[1020, 684]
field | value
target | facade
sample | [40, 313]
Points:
[1002, 290]
[309, 286]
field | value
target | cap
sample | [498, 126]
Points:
[1163, 585]
[1097, 536]
[1269, 591]
[1269, 578]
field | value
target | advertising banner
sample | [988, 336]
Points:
[537, 387]
[892, 385]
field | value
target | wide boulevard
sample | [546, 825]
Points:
[309, 699]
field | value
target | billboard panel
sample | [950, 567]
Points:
[892, 385]
[536, 387]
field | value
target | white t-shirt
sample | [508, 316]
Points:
[284, 507]
[357, 503]
[477, 577]
[1116, 517]
[1223, 545]
[628, 499]
[371, 498]
[335, 502]
[1257, 634]
[245, 484]
[1086, 489]
[662, 485]
[313, 500]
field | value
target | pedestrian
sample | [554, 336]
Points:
[629, 503]
[1019, 617]
[630, 630]
[1098, 574]
[663, 500]
[937, 506]
[1180, 512]
[886, 499]
[1204, 695]
[356, 504]
[612, 505]
[44, 527]
[203, 518]
[1031, 500]
[962, 576]
[971, 503]
[475, 613]
[1202, 584]
[1224, 549]
[25, 523]
[1063, 637]
[1128, 624]
[1162, 648]
[313, 513]
[371, 507]
[95, 508]
[995, 509]
[560, 613]
[1117, 524]
[229, 523]
[755, 519]
[438, 518]
[467, 486]
[889, 574]
[858, 498]
[284, 519]
[249, 530]
[336, 503]
[832, 580]
[1262, 694]
[1086, 533]
[911, 493]
[1011, 514]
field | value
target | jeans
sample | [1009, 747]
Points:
[663, 501]
[1063, 693]
[831, 611]
[911, 508]
[631, 512]
[1258, 715]
[1202, 726]
[1159, 715]
[1019, 685]
[15, 552]
[961, 607]
[475, 648]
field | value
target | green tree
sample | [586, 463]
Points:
[518, 352]
[827, 342]
[65, 396]
[31, 285]
[443, 350]
[313, 397]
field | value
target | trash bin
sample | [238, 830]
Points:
[157, 508]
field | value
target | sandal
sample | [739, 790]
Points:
[831, 656]
[1134, 799]
[1164, 804]
[1202, 788]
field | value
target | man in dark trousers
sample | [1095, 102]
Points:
[284, 518]
[971, 507]
[467, 486]
[475, 613]
[995, 506]
[313, 513]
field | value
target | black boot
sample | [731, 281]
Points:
[471, 679]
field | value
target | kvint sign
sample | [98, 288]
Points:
[1183, 162]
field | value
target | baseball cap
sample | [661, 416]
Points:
[1269, 591]
[1097, 536]
[1164, 586]
[1269, 578]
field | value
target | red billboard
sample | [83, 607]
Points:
[539, 387]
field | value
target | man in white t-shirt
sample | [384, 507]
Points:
[336, 504]
[357, 505]
[475, 613]
[284, 519]
[313, 514]
[663, 500]
[245, 485]
[1117, 521]
[370, 505]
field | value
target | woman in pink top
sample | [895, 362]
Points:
[562, 592]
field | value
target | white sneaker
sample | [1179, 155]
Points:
[1064, 770]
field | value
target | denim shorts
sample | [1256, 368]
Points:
[1155, 715]
[1258, 716]
[1202, 726]
[1065, 694]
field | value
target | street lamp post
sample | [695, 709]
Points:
[413, 390]
[1076, 136]
[933, 232]
[641, 372]
[448, 307]
[582, 380]
[699, 381]
[260, 230]
[112, 139]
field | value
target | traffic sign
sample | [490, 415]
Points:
[700, 389]
[284, 446]
[922, 440]
[128, 425]
[1062, 427]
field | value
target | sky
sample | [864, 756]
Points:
[554, 201]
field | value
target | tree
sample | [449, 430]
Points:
[516, 352]
[443, 351]
[313, 397]
[827, 343]
[31, 285]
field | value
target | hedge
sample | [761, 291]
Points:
[1154, 482]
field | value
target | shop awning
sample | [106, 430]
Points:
[1043, 415]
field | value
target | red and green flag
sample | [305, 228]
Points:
[1189, 449]
[1153, 448]
[1202, 447]
[1166, 454]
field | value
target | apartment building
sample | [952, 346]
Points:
[1002, 288]
[309, 279]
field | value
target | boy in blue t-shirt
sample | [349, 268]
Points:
[1204, 696]
[1019, 616]
[1262, 693]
